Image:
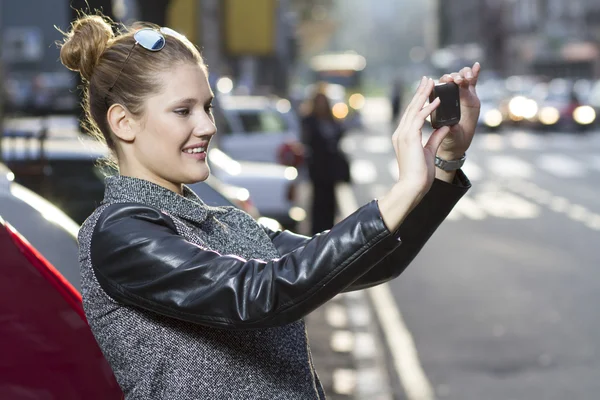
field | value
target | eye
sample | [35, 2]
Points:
[182, 111]
[208, 108]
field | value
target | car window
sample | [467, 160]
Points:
[263, 121]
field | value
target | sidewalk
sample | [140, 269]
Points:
[345, 345]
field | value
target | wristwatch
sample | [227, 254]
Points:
[452, 165]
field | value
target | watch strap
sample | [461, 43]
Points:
[451, 165]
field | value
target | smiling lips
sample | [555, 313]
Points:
[196, 148]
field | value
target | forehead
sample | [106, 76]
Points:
[184, 81]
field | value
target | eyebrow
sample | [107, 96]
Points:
[192, 100]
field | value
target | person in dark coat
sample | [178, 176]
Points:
[396, 100]
[327, 164]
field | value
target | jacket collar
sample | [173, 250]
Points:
[125, 189]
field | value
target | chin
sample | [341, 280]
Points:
[195, 178]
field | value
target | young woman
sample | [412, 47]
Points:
[189, 301]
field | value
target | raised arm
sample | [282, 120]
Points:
[140, 260]
[414, 232]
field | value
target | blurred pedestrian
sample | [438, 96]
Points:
[188, 301]
[396, 99]
[327, 163]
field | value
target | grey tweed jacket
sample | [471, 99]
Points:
[189, 301]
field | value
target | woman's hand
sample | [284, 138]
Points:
[416, 162]
[416, 167]
[458, 141]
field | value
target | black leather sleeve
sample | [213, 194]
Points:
[414, 232]
[140, 260]
[285, 241]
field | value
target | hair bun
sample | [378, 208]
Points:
[84, 44]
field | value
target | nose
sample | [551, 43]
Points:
[205, 126]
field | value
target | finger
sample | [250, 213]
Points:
[476, 69]
[412, 101]
[410, 104]
[467, 74]
[459, 80]
[446, 78]
[418, 95]
[420, 118]
[419, 99]
[436, 138]
[428, 109]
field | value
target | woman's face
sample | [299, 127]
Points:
[174, 132]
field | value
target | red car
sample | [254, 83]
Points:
[47, 350]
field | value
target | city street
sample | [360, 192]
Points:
[501, 303]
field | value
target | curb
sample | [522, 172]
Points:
[352, 365]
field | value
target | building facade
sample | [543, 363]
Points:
[555, 38]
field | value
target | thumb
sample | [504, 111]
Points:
[436, 138]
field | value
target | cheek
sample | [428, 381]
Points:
[166, 136]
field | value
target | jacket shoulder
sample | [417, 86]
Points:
[113, 212]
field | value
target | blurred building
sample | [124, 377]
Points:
[33, 79]
[556, 38]
[252, 42]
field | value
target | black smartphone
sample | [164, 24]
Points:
[448, 112]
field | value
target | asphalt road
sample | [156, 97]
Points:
[502, 303]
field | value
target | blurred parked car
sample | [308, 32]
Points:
[64, 169]
[48, 350]
[271, 186]
[216, 193]
[258, 128]
[59, 166]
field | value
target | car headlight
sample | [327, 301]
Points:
[357, 101]
[492, 118]
[297, 214]
[521, 107]
[515, 107]
[340, 110]
[549, 115]
[584, 115]
[530, 109]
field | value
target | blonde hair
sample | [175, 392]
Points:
[92, 48]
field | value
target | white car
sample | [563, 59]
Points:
[74, 182]
[258, 128]
[272, 187]
[214, 192]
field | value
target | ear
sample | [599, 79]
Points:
[121, 122]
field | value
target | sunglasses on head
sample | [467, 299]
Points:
[151, 40]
